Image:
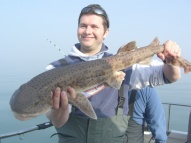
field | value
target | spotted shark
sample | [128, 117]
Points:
[33, 98]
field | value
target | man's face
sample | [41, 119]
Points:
[91, 33]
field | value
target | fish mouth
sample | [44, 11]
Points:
[24, 117]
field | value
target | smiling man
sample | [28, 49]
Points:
[109, 104]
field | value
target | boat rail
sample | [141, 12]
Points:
[169, 111]
[49, 124]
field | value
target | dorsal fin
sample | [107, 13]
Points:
[155, 42]
[128, 47]
[147, 61]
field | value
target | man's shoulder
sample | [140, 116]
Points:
[107, 54]
[60, 62]
[147, 93]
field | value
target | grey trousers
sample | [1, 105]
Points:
[135, 132]
[85, 130]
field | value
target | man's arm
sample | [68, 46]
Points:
[153, 74]
[172, 73]
[171, 51]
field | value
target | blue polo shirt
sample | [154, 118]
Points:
[148, 107]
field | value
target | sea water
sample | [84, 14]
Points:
[179, 92]
[9, 82]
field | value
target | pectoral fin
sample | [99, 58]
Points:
[83, 104]
[116, 80]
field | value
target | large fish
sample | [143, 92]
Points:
[34, 97]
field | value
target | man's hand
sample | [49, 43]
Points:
[59, 113]
[60, 99]
[171, 50]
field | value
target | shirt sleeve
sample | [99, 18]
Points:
[49, 67]
[155, 117]
[53, 65]
[144, 75]
[148, 107]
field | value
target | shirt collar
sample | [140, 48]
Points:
[77, 53]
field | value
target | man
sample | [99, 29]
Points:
[145, 105]
[110, 127]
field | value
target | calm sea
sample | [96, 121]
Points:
[179, 92]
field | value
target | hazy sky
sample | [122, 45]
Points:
[25, 27]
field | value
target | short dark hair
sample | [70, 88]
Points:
[97, 10]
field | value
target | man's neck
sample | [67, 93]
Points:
[90, 51]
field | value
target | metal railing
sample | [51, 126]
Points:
[169, 111]
[49, 124]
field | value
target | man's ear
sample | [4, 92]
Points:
[106, 33]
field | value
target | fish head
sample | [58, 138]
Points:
[27, 103]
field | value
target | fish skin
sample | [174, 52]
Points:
[34, 97]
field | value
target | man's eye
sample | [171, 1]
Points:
[83, 26]
[94, 27]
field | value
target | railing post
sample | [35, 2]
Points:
[168, 123]
[189, 129]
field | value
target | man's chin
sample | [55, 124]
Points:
[86, 44]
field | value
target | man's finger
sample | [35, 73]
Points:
[72, 92]
[161, 56]
[64, 100]
[56, 98]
